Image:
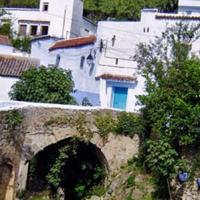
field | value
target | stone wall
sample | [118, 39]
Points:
[11, 142]
[42, 127]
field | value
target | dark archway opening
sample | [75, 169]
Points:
[67, 170]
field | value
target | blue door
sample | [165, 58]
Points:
[120, 97]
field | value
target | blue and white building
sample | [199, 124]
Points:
[76, 55]
[102, 66]
[120, 82]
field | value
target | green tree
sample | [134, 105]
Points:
[6, 29]
[102, 9]
[171, 106]
[46, 85]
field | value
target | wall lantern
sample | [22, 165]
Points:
[90, 59]
[183, 177]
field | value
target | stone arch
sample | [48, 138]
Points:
[96, 150]
[47, 126]
[29, 151]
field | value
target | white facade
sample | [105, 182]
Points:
[188, 7]
[118, 42]
[59, 18]
[5, 87]
[83, 74]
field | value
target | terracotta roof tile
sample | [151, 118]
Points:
[118, 77]
[13, 66]
[74, 42]
[4, 40]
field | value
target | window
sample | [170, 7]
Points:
[33, 30]
[58, 60]
[22, 29]
[119, 97]
[113, 40]
[116, 61]
[44, 30]
[82, 62]
[45, 7]
[146, 29]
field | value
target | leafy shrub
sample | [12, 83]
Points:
[105, 125]
[130, 182]
[98, 190]
[80, 190]
[5, 29]
[54, 176]
[162, 159]
[46, 85]
[13, 118]
[129, 198]
[22, 43]
[128, 124]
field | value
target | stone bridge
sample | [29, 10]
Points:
[43, 125]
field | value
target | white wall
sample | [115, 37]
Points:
[6, 50]
[5, 87]
[64, 17]
[128, 36]
[70, 59]
[186, 6]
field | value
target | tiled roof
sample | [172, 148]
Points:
[13, 66]
[74, 42]
[4, 40]
[118, 77]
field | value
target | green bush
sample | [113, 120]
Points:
[130, 182]
[162, 159]
[23, 43]
[5, 29]
[13, 118]
[45, 85]
[128, 124]
[105, 125]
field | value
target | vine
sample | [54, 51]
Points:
[54, 176]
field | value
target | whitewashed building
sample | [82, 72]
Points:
[76, 55]
[58, 18]
[117, 41]
[103, 68]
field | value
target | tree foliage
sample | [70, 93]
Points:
[19, 3]
[124, 9]
[171, 106]
[47, 85]
[102, 9]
